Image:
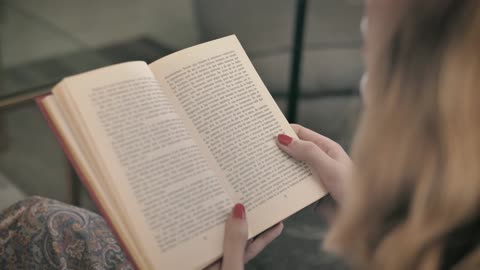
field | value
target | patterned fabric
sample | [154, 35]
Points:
[40, 233]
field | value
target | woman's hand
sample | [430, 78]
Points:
[237, 249]
[326, 157]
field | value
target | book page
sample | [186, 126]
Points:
[237, 119]
[169, 194]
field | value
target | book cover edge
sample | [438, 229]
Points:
[81, 176]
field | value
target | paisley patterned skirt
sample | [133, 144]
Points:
[39, 233]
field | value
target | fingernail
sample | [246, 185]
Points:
[284, 139]
[239, 211]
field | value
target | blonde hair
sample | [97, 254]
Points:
[415, 193]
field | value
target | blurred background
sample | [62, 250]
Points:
[308, 52]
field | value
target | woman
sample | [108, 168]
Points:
[412, 201]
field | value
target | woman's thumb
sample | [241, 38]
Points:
[235, 241]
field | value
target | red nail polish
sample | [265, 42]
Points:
[239, 211]
[284, 139]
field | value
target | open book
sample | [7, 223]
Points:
[167, 149]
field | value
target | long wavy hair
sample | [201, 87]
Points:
[414, 201]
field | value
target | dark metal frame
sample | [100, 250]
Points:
[297, 53]
[295, 69]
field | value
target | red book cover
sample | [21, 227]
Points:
[76, 167]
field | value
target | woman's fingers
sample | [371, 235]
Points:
[307, 134]
[332, 172]
[260, 242]
[327, 145]
[306, 151]
[235, 241]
